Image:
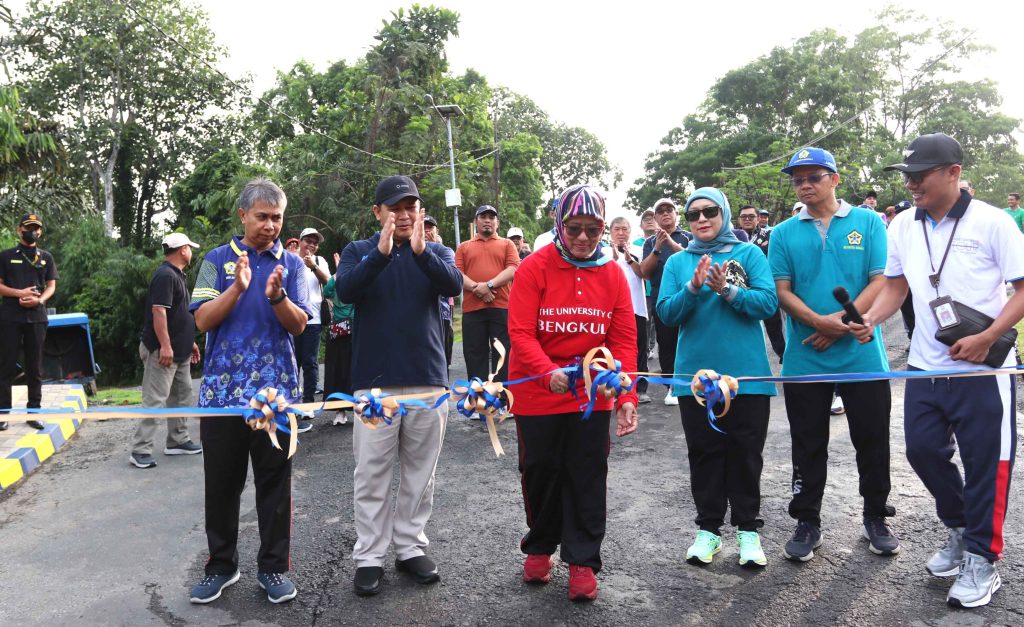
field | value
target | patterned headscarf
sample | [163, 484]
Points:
[725, 235]
[579, 200]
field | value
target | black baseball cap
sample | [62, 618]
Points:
[429, 220]
[395, 188]
[485, 209]
[30, 219]
[871, 194]
[902, 205]
[930, 151]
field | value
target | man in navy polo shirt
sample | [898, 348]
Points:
[830, 244]
[976, 414]
[251, 299]
[394, 279]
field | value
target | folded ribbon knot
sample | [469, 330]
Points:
[711, 389]
[376, 407]
[269, 411]
[610, 382]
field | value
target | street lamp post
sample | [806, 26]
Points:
[453, 198]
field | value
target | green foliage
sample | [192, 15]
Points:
[863, 99]
[108, 283]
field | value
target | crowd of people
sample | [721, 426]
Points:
[706, 297]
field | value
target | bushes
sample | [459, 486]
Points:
[108, 283]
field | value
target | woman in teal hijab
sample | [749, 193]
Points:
[717, 291]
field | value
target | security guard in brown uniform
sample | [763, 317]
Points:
[28, 278]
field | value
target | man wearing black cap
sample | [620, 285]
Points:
[487, 262]
[954, 251]
[394, 280]
[28, 278]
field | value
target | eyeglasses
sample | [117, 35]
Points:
[708, 212]
[574, 230]
[665, 209]
[749, 216]
[813, 179]
[917, 177]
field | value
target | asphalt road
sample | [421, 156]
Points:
[89, 540]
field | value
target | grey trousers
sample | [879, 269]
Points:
[415, 441]
[169, 386]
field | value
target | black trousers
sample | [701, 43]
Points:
[228, 444]
[479, 330]
[773, 327]
[338, 365]
[30, 337]
[867, 413]
[563, 462]
[667, 338]
[652, 302]
[448, 331]
[725, 469]
[641, 351]
[909, 318]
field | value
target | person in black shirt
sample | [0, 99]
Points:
[28, 278]
[167, 346]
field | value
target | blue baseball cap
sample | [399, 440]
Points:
[811, 156]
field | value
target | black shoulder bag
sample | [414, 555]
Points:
[955, 319]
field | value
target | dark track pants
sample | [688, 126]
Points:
[227, 446]
[563, 462]
[641, 351]
[980, 413]
[29, 336]
[479, 330]
[667, 339]
[725, 469]
[867, 413]
[307, 354]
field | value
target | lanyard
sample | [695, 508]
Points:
[934, 276]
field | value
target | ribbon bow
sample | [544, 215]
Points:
[486, 398]
[711, 389]
[268, 411]
[377, 407]
[610, 382]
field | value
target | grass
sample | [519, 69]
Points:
[117, 396]
[457, 323]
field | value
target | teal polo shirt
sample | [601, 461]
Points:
[815, 261]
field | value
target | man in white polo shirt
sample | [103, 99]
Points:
[954, 248]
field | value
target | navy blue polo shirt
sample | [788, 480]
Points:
[250, 349]
[678, 236]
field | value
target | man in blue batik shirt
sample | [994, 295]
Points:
[250, 299]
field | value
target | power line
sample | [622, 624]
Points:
[293, 119]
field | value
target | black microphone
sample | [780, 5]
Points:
[843, 297]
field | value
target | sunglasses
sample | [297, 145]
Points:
[813, 179]
[750, 216]
[707, 212]
[574, 230]
[917, 177]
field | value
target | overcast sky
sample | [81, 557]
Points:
[626, 71]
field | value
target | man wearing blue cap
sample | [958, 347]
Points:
[830, 244]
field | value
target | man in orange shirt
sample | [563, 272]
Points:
[488, 263]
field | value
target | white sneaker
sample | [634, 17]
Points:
[340, 418]
[671, 400]
[837, 406]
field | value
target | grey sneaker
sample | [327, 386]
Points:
[209, 587]
[947, 560]
[303, 426]
[279, 587]
[185, 448]
[142, 460]
[977, 582]
[806, 538]
[881, 539]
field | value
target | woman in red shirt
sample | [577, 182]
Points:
[566, 300]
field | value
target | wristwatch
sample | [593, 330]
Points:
[490, 285]
[725, 290]
[275, 301]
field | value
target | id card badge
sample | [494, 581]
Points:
[945, 312]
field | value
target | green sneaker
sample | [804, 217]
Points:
[750, 549]
[704, 547]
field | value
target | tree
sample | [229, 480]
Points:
[133, 104]
[862, 99]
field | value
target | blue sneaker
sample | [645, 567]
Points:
[209, 587]
[278, 586]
